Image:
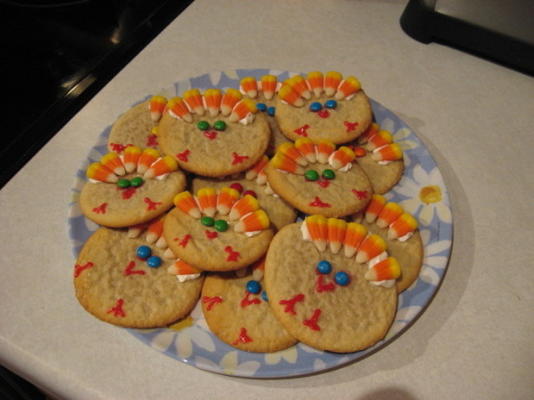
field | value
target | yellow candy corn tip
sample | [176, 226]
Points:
[234, 93]
[263, 218]
[108, 157]
[158, 99]
[325, 142]
[334, 74]
[151, 152]
[268, 78]
[171, 162]
[248, 79]
[205, 192]
[191, 93]
[232, 192]
[132, 149]
[212, 92]
[182, 196]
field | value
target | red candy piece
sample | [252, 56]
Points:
[78, 269]
[237, 159]
[151, 140]
[318, 203]
[302, 130]
[211, 301]
[184, 241]
[211, 234]
[320, 286]
[129, 270]
[101, 209]
[324, 183]
[251, 192]
[360, 194]
[290, 304]
[210, 134]
[246, 301]
[151, 204]
[243, 337]
[350, 126]
[237, 186]
[312, 322]
[117, 310]
[232, 255]
[184, 155]
[323, 113]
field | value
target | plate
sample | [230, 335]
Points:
[421, 192]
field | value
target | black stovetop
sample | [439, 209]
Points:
[56, 55]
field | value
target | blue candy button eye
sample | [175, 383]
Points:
[324, 267]
[316, 106]
[264, 296]
[143, 252]
[253, 287]
[330, 104]
[271, 111]
[261, 106]
[342, 278]
[153, 261]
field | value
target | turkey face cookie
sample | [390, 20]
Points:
[316, 178]
[323, 107]
[217, 230]
[214, 134]
[235, 306]
[399, 230]
[254, 182]
[131, 188]
[124, 281]
[137, 126]
[331, 285]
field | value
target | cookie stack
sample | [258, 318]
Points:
[264, 203]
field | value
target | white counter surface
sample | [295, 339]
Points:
[475, 340]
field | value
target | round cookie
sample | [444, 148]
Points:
[319, 187]
[316, 309]
[194, 139]
[193, 232]
[114, 285]
[323, 107]
[119, 202]
[241, 318]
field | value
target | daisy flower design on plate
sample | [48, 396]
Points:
[229, 364]
[289, 355]
[403, 136]
[436, 257]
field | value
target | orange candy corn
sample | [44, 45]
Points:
[212, 99]
[374, 207]
[317, 226]
[306, 147]
[156, 106]
[331, 82]
[403, 225]
[347, 87]
[257, 168]
[207, 201]
[98, 172]
[336, 233]
[389, 213]
[249, 86]
[178, 109]
[135, 230]
[113, 162]
[242, 109]
[255, 221]
[145, 160]
[324, 148]
[384, 270]
[161, 166]
[389, 152]
[280, 161]
[180, 267]
[154, 231]
[130, 158]
[370, 247]
[299, 85]
[379, 139]
[370, 131]
[229, 100]
[226, 199]
[315, 79]
[290, 96]
[289, 150]
[193, 98]
[243, 206]
[185, 202]
[258, 269]
[354, 234]
[268, 86]
[341, 157]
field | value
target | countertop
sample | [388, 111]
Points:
[476, 338]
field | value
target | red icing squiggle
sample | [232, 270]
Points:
[360, 194]
[232, 255]
[211, 301]
[117, 310]
[243, 337]
[302, 130]
[290, 304]
[350, 126]
[127, 193]
[312, 322]
[119, 148]
[237, 159]
[184, 241]
[318, 203]
[211, 234]
[151, 204]
[247, 301]
[101, 209]
[151, 140]
[324, 183]
[211, 135]
[78, 269]
[129, 270]
[320, 286]
[184, 155]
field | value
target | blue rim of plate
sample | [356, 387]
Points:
[421, 192]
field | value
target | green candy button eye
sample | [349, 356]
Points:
[221, 225]
[207, 221]
[137, 181]
[203, 125]
[123, 183]
[329, 174]
[311, 175]
[219, 125]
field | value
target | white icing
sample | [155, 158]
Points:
[94, 181]
[305, 232]
[383, 162]
[172, 114]
[162, 177]
[253, 233]
[405, 237]
[188, 277]
[249, 118]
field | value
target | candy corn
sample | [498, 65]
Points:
[354, 234]
[113, 162]
[299, 85]
[331, 82]
[341, 157]
[403, 225]
[318, 229]
[243, 206]
[180, 267]
[193, 99]
[185, 202]
[145, 160]
[369, 248]
[130, 158]
[289, 150]
[229, 100]
[258, 269]
[374, 207]
[226, 199]
[161, 243]
[379, 139]
[389, 152]
[242, 109]
[161, 166]
[389, 213]
[154, 231]
[168, 254]
[268, 86]
[290, 96]
[249, 87]
[257, 168]
[212, 99]
[315, 80]
[336, 233]
[384, 270]
[207, 201]
[284, 163]
[178, 109]
[255, 221]
[370, 131]
[306, 147]
[323, 149]
[98, 172]
[135, 231]
[156, 107]
[347, 87]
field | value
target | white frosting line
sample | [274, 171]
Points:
[305, 232]
[188, 277]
